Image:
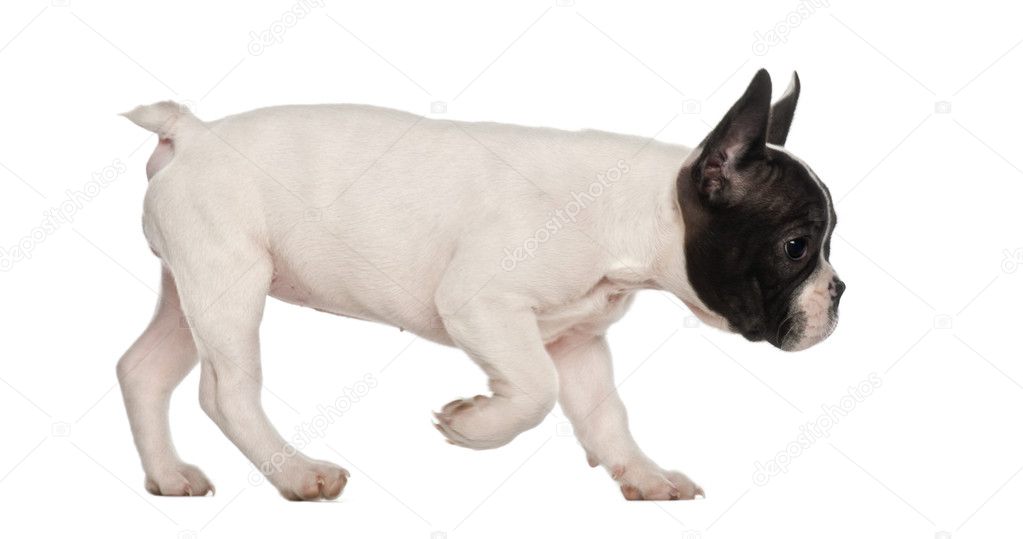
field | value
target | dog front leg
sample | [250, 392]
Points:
[589, 399]
[505, 342]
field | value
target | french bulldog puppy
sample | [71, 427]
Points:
[519, 245]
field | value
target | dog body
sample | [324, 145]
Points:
[518, 245]
[341, 195]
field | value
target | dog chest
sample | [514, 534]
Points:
[590, 314]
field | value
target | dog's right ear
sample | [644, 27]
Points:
[782, 112]
[738, 140]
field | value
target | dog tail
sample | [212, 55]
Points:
[166, 118]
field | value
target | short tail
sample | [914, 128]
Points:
[166, 118]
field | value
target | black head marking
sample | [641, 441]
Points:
[742, 200]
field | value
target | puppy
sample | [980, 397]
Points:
[518, 245]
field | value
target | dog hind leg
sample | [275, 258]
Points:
[148, 373]
[223, 295]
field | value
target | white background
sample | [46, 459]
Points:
[929, 241]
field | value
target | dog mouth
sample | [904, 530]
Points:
[790, 331]
[795, 333]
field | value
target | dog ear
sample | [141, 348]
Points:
[782, 112]
[738, 140]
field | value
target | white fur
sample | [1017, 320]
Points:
[386, 216]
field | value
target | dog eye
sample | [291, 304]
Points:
[796, 248]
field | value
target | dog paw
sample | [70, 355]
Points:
[179, 480]
[646, 481]
[474, 423]
[311, 480]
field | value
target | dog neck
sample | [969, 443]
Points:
[649, 253]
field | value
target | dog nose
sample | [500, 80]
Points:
[836, 287]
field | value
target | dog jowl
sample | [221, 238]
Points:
[758, 226]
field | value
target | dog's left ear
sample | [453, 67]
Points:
[782, 112]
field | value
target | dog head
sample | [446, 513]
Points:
[758, 225]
